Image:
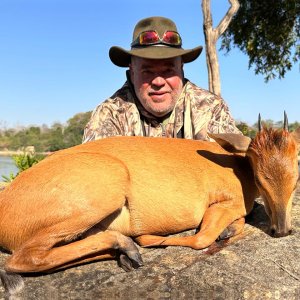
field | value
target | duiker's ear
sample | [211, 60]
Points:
[296, 136]
[231, 142]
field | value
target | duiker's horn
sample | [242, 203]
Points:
[285, 122]
[259, 123]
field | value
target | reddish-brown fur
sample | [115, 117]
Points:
[83, 203]
[274, 161]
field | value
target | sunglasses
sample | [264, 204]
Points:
[151, 37]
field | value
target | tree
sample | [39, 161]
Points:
[211, 37]
[268, 31]
[56, 138]
[46, 139]
[75, 126]
[294, 126]
[246, 129]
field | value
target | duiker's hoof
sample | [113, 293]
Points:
[278, 234]
[129, 263]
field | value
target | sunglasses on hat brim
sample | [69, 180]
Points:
[151, 37]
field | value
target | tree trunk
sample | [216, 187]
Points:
[211, 37]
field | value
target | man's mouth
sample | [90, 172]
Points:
[158, 96]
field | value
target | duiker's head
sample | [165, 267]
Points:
[274, 158]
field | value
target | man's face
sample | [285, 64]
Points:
[157, 83]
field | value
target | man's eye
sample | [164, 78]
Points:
[169, 71]
[147, 72]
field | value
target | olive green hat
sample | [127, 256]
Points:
[158, 50]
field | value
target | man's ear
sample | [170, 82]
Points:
[232, 142]
[296, 136]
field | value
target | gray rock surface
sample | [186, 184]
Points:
[250, 266]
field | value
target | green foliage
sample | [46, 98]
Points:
[269, 33]
[243, 127]
[23, 162]
[9, 178]
[27, 137]
[46, 139]
[246, 129]
[294, 126]
[74, 131]
[55, 138]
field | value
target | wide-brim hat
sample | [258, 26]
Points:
[161, 25]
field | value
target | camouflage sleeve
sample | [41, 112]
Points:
[221, 120]
[104, 122]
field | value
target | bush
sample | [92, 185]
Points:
[23, 162]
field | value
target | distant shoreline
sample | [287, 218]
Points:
[18, 152]
[10, 153]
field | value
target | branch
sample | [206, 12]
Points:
[207, 19]
[220, 29]
[285, 270]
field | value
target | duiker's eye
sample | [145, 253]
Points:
[257, 181]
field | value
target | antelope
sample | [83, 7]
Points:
[91, 201]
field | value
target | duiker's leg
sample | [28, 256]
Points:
[35, 256]
[123, 260]
[216, 219]
[233, 229]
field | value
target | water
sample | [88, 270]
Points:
[7, 166]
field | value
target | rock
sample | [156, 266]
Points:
[250, 266]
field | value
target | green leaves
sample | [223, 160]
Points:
[9, 178]
[46, 139]
[23, 162]
[269, 33]
[26, 160]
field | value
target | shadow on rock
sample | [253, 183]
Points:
[258, 217]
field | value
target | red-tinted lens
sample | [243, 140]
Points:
[172, 37]
[148, 37]
[151, 37]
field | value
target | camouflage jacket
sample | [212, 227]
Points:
[196, 112]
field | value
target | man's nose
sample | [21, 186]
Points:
[158, 80]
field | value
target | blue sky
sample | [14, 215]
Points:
[54, 59]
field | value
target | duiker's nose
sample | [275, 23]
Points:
[280, 233]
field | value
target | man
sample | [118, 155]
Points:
[156, 99]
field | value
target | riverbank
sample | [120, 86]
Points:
[10, 153]
[19, 152]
